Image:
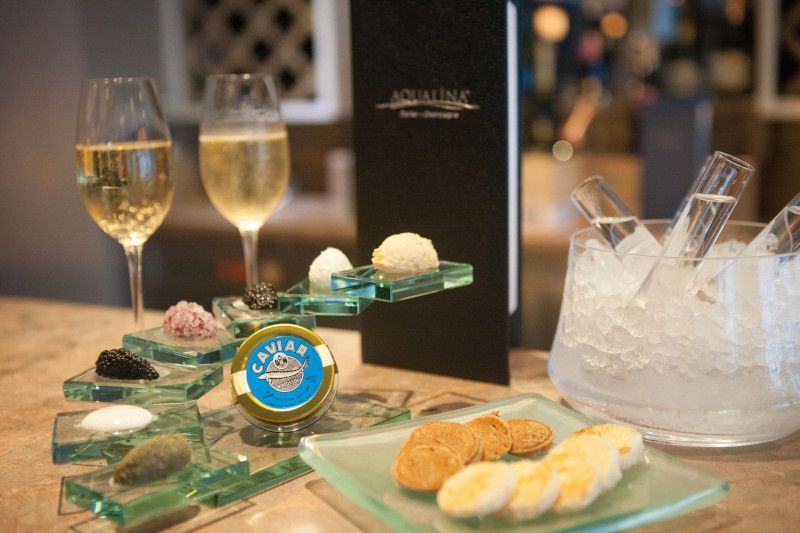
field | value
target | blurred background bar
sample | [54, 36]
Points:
[636, 91]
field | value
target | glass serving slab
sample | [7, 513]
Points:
[124, 504]
[176, 383]
[160, 346]
[72, 443]
[241, 321]
[273, 456]
[358, 463]
[301, 300]
[369, 282]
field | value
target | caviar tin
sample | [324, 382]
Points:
[283, 378]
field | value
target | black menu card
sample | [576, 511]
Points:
[436, 139]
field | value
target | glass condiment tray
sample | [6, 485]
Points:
[273, 456]
[125, 504]
[369, 282]
[176, 383]
[241, 321]
[358, 463]
[72, 443]
[300, 299]
[160, 346]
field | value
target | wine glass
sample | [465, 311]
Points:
[123, 162]
[244, 155]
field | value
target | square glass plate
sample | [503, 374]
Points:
[157, 345]
[369, 282]
[72, 443]
[299, 299]
[176, 383]
[125, 504]
[241, 321]
[273, 456]
[358, 463]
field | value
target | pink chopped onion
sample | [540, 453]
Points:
[189, 320]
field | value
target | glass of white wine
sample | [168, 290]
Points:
[123, 162]
[244, 154]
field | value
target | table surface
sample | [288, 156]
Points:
[44, 342]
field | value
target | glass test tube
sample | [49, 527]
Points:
[781, 235]
[606, 211]
[716, 192]
[710, 206]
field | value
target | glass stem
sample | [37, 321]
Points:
[250, 245]
[134, 255]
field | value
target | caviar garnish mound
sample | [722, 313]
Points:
[154, 459]
[188, 320]
[120, 363]
[262, 295]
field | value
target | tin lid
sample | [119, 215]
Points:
[282, 374]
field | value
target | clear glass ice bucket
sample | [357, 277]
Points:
[716, 365]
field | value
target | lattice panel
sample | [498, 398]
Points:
[236, 36]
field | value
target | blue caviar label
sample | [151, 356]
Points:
[284, 372]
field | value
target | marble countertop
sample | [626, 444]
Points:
[44, 342]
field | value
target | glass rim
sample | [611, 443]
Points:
[242, 76]
[594, 178]
[119, 80]
[734, 161]
[582, 233]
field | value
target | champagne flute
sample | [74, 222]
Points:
[123, 163]
[244, 155]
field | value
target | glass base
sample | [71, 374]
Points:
[241, 321]
[72, 443]
[368, 282]
[176, 383]
[125, 504]
[273, 456]
[301, 300]
[159, 346]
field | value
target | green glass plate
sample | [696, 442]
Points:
[301, 300]
[177, 383]
[72, 443]
[241, 321]
[126, 504]
[273, 456]
[369, 282]
[157, 345]
[358, 464]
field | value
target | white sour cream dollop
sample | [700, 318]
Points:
[117, 418]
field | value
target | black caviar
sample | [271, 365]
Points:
[120, 363]
[262, 295]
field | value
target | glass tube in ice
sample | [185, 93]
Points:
[781, 235]
[606, 211]
[710, 206]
